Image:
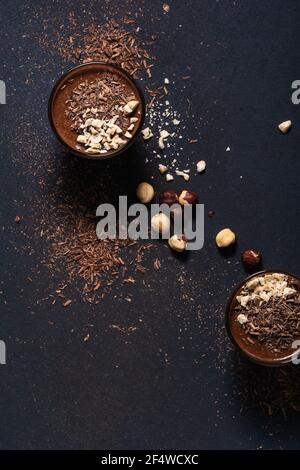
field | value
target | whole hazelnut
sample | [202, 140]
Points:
[160, 223]
[251, 258]
[168, 197]
[177, 244]
[225, 238]
[187, 197]
[145, 192]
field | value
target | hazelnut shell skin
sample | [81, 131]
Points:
[168, 197]
[188, 197]
[251, 258]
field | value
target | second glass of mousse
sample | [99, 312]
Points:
[263, 317]
[96, 110]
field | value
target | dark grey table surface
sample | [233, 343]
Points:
[174, 382]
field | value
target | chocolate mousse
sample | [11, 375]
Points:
[263, 317]
[96, 110]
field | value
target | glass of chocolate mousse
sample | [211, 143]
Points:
[263, 318]
[96, 110]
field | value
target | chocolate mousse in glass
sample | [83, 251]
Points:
[263, 317]
[96, 110]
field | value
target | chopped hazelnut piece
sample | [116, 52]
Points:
[82, 139]
[97, 123]
[164, 134]
[289, 291]
[252, 283]
[130, 107]
[162, 168]
[184, 175]
[285, 126]
[92, 151]
[201, 165]
[161, 143]
[241, 318]
[147, 133]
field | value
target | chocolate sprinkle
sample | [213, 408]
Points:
[275, 323]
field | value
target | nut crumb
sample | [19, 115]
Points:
[162, 168]
[285, 126]
[241, 318]
[147, 133]
[184, 175]
[164, 134]
[161, 143]
[130, 107]
[201, 165]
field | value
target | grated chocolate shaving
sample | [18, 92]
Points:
[275, 323]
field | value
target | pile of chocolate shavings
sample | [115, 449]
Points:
[116, 45]
[90, 264]
[88, 258]
[275, 323]
[98, 99]
[107, 43]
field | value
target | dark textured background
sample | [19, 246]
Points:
[175, 382]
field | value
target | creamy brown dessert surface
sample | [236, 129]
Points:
[96, 112]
